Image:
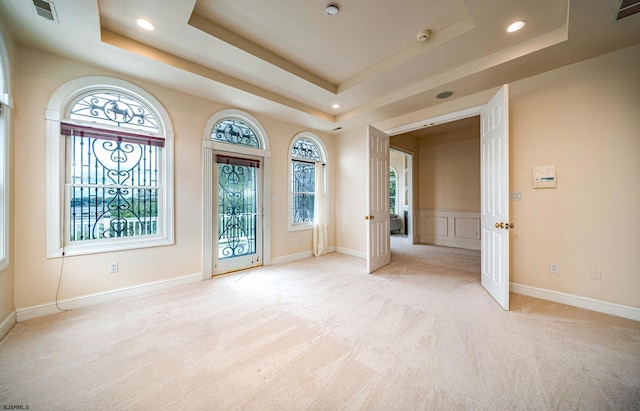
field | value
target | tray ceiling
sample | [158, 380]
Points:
[291, 60]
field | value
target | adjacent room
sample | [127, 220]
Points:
[319, 205]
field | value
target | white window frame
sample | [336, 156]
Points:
[392, 168]
[323, 155]
[57, 243]
[209, 148]
[5, 138]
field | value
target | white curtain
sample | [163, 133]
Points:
[319, 215]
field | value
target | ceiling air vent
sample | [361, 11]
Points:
[626, 8]
[45, 9]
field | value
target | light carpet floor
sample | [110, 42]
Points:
[321, 334]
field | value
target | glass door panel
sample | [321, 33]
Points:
[238, 217]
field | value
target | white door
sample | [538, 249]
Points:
[378, 241]
[494, 176]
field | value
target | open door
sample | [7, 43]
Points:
[494, 176]
[378, 241]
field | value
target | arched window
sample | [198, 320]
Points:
[111, 144]
[305, 153]
[234, 131]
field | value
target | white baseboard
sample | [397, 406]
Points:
[298, 256]
[27, 313]
[291, 257]
[7, 324]
[354, 253]
[625, 311]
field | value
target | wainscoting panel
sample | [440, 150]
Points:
[467, 228]
[450, 228]
[436, 225]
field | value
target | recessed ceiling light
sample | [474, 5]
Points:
[516, 25]
[332, 9]
[336, 106]
[445, 94]
[145, 23]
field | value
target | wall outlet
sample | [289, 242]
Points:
[595, 273]
[113, 267]
[515, 196]
[554, 268]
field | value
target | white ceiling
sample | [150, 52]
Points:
[290, 60]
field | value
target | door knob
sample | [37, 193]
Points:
[505, 225]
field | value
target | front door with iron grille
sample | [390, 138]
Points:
[239, 208]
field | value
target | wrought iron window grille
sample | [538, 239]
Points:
[237, 207]
[236, 132]
[113, 172]
[304, 156]
[114, 109]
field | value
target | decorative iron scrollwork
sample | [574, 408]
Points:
[235, 132]
[303, 192]
[237, 211]
[305, 150]
[114, 109]
[113, 189]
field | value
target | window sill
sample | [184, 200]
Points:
[108, 246]
[301, 227]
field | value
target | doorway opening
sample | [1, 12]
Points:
[238, 222]
[236, 183]
[491, 227]
[447, 189]
[401, 194]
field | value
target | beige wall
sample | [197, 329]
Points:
[351, 191]
[283, 241]
[585, 120]
[410, 144]
[36, 278]
[582, 118]
[450, 171]
[7, 276]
